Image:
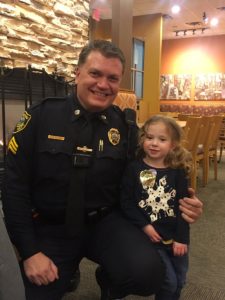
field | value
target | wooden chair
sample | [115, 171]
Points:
[126, 99]
[221, 140]
[204, 147]
[201, 144]
[190, 142]
[210, 151]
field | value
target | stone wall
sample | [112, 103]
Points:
[46, 34]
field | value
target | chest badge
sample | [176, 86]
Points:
[114, 136]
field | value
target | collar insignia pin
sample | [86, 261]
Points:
[77, 112]
[103, 117]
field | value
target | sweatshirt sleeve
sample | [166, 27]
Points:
[182, 234]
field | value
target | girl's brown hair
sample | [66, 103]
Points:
[178, 157]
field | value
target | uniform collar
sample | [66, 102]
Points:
[77, 110]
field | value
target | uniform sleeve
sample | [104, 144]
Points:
[17, 188]
[183, 229]
[128, 198]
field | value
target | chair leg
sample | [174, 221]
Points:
[203, 173]
[215, 165]
[221, 152]
[205, 170]
[194, 175]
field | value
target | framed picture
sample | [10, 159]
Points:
[210, 86]
[175, 86]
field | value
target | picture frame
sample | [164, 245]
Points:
[175, 86]
[209, 86]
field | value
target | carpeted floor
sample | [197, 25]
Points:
[206, 277]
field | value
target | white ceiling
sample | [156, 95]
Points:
[191, 11]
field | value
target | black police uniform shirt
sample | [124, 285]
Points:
[157, 203]
[39, 164]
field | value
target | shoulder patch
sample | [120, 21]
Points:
[22, 122]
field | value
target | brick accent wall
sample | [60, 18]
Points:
[46, 34]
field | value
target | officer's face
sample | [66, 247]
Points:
[98, 81]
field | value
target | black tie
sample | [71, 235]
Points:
[81, 162]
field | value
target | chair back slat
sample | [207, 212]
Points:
[215, 126]
[191, 131]
[221, 140]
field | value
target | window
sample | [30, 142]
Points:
[138, 67]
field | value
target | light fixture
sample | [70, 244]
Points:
[214, 22]
[189, 32]
[175, 9]
[205, 18]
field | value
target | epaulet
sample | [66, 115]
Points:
[43, 101]
[54, 99]
[128, 114]
[117, 108]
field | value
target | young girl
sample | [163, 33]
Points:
[151, 188]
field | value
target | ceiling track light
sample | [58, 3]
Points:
[221, 8]
[205, 19]
[188, 32]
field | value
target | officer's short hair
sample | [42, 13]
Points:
[106, 48]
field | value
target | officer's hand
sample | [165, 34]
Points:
[40, 269]
[191, 207]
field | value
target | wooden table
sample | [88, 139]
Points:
[182, 124]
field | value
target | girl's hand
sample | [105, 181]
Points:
[152, 233]
[179, 249]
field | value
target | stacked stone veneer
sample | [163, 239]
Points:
[45, 34]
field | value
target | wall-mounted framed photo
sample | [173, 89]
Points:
[210, 86]
[175, 86]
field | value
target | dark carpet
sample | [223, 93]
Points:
[206, 276]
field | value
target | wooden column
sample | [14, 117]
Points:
[122, 33]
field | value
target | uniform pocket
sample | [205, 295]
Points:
[55, 147]
[112, 152]
[54, 159]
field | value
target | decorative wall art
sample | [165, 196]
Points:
[210, 86]
[175, 86]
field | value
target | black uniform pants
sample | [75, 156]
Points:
[131, 263]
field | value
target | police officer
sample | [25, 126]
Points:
[64, 165]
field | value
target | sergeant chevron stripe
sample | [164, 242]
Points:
[13, 146]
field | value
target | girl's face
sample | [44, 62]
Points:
[157, 143]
